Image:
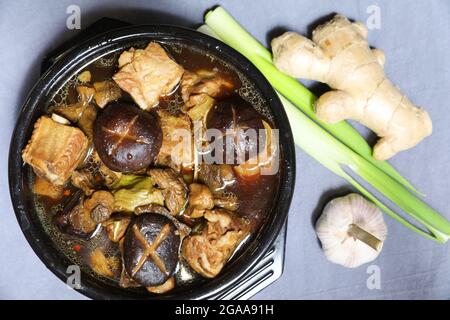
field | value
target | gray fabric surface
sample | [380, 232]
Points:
[415, 38]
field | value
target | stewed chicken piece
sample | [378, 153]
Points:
[204, 82]
[55, 150]
[208, 251]
[174, 188]
[201, 200]
[147, 74]
[106, 92]
[176, 149]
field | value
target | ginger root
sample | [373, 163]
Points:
[340, 56]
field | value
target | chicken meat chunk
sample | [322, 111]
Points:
[82, 113]
[106, 92]
[176, 149]
[147, 74]
[203, 82]
[84, 180]
[80, 216]
[94, 175]
[200, 199]
[227, 201]
[55, 150]
[175, 191]
[216, 176]
[208, 251]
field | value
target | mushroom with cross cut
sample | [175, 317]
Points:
[126, 138]
[151, 249]
[240, 127]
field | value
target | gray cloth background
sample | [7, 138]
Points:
[415, 37]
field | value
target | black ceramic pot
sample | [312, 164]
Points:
[71, 63]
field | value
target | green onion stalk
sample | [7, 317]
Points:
[336, 146]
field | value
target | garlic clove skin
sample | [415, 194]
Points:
[333, 225]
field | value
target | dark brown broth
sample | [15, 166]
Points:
[256, 197]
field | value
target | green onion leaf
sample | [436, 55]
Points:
[220, 24]
[335, 146]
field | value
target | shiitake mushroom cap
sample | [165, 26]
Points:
[150, 225]
[127, 138]
[233, 116]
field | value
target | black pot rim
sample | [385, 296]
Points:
[33, 231]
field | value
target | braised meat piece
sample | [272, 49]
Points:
[74, 219]
[55, 150]
[165, 287]
[103, 265]
[44, 188]
[81, 113]
[176, 149]
[84, 180]
[174, 188]
[227, 201]
[203, 82]
[200, 199]
[208, 251]
[106, 92]
[94, 175]
[81, 216]
[100, 205]
[216, 176]
[85, 94]
[147, 74]
[199, 88]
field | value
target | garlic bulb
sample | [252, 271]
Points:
[351, 230]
